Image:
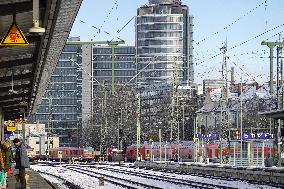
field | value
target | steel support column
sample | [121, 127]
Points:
[1, 124]
[271, 45]
[138, 134]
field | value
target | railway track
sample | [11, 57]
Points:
[171, 179]
[112, 179]
[221, 178]
[165, 178]
[194, 184]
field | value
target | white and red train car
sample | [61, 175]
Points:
[170, 151]
[67, 153]
[186, 150]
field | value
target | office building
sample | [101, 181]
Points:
[124, 68]
[98, 102]
[60, 109]
[97, 60]
[164, 42]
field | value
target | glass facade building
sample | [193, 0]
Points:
[97, 61]
[60, 109]
[164, 42]
[124, 68]
[164, 38]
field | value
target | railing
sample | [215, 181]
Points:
[239, 162]
[245, 161]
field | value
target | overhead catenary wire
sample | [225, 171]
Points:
[233, 23]
[118, 31]
[100, 30]
[208, 69]
[87, 73]
[241, 44]
[265, 9]
[109, 13]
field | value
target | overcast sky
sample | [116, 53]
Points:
[253, 17]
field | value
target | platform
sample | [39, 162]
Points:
[35, 181]
[269, 175]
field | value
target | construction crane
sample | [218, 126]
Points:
[112, 44]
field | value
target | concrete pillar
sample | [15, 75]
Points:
[87, 86]
[249, 153]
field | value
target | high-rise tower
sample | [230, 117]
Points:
[164, 37]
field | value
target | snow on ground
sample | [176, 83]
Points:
[87, 182]
[152, 182]
[84, 181]
[225, 165]
[238, 184]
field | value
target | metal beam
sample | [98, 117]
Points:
[10, 8]
[95, 42]
[12, 115]
[16, 87]
[10, 104]
[16, 77]
[22, 98]
[13, 96]
[18, 62]
[12, 111]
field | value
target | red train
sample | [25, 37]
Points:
[70, 153]
[185, 150]
[146, 151]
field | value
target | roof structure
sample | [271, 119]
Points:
[26, 70]
[275, 114]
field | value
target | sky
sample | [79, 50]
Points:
[212, 21]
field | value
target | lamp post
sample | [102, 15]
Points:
[178, 141]
[241, 115]
[151, 158]
[138, 131]
[183, 121]
[160, 141]
[166, 151]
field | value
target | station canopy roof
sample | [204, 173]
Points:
[26, 70]
[275, 114]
